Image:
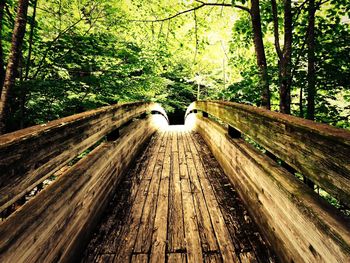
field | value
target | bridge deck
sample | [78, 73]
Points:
[176, 205]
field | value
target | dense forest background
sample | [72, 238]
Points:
[76, 55]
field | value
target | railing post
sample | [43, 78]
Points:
[113, 135]
[143, 116]
[233, 132]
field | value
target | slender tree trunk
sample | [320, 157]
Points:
[285, 63]
[260, 54]
[301, 109]
[31, 35]
[311, 74]
[2, 63]
[12, 66]
[285, 55]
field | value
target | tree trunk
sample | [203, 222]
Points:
[2, 63]
[311, 89]
[31, 35]
[260, 54]
[12, 65]
[285, 62]
[301, 109]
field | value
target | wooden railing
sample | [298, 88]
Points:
[299, 224]
[52, 226]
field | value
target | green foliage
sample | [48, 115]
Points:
[88, 54]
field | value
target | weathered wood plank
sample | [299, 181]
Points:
[219, 226]
[105, 258]
[205, 228]
[320, 152]
[153, 159]
[193, 242]
[53, 226]
[159, 238]
[109, 233]
[213, 258]
[54, 144]
[176, 235]
[139, 258]
[182, 158]
[176, 258]
[144, 236]
[128, 236]
[299, 225]
[243, 231]
[248, 257]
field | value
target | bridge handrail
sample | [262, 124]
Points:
[31, 155]
[318, 151]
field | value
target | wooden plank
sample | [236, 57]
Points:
[159, 238]
[174, 146]
[139, 258]
[107, 236]
[176, 258]
[54, 144]
[193, 242]
[243, 232]
[248, 257]
[176, 235]
[219, 226]
[320, 152]
[205, 228]
[129, 234]
[153, 158]
[182, 158]
[213, 258]
[105, 258]
[144, 235]
[297, 223]
[56, 224]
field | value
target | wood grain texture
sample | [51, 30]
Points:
[320, 152]
[29, 156]
[58, 222]
[300, 226]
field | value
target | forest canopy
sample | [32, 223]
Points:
[288, 56]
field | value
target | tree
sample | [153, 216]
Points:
[311, 86]
[254, 12]
[285, 54]
[14, 58]
[2, 63]
[260, 53]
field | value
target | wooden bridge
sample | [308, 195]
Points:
[118, 184]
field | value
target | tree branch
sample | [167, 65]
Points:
[202, 4]
[244, 8]
[298, 12]
[170, 17]
[52, 42]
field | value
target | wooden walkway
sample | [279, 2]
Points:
[176, 205]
